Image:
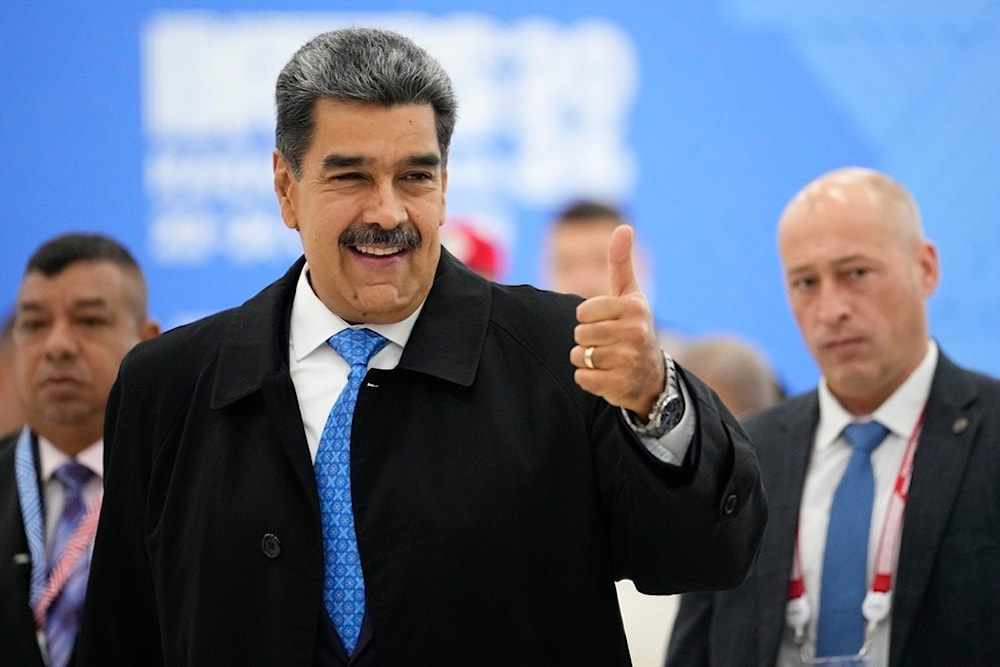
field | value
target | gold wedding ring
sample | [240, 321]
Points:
[588, 358]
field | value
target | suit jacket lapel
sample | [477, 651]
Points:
[785, 471]
[951, 421]
[444, 344]
[254, 357]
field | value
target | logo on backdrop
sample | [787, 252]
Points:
[543, 113]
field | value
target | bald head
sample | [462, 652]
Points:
[858, 186]
[858, 271]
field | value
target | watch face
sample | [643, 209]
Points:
[673, 410]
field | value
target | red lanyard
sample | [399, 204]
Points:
[878, 600]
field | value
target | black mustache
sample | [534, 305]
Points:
[372, 234]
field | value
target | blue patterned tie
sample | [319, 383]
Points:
[343, 582]
[841, 626]
[62, 620]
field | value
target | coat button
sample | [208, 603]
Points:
[730, 505]
[271, 545]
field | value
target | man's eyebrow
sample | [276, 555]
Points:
[424, 160]
[30, 306]
[802, 268]
[338, 161]
[91, 302]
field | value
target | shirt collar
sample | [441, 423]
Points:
[313, 323]
[900, 413]
[51, 457]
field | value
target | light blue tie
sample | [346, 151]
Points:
[343, 582]
[62, 620]
[841, 627]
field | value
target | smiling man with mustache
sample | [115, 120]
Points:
[385, 459]
[80, 308]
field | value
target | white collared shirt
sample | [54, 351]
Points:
[900, 413]
[53, 493]
[319, 374]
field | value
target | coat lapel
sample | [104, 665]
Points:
[448, 337]
[787, 455]
[952, 418]
[254, 357]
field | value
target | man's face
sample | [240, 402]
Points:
[857, 290]
[368, 167]
[578, 257]
[71, 332]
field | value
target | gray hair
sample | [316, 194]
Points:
[364, 66]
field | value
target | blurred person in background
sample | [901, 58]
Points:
[883, 546]
[735, 369]
[81, 306]
[576, 255]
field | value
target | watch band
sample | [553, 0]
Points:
[667, 410]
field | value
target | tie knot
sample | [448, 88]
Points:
[865, 437]
[357, 346]
[73, 475]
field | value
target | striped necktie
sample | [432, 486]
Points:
[62, 619]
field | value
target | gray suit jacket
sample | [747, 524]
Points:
[946, 603]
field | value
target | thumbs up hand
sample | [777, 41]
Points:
[617, 353]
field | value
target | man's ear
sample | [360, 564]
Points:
[444, 197]
[149, 329]
[286, 188]
[930, 269]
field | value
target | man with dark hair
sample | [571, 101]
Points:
[81, 306]
[577, 247]
[384, 458]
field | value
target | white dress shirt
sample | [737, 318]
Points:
[319, 374]
[900, 413]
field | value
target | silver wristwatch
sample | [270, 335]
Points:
[667, 410]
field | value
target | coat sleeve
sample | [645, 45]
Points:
[121, 624]
[692, 527]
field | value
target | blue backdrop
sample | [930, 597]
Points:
[152, 121]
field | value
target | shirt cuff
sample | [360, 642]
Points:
[672, 446]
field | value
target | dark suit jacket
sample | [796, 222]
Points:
[495, 501]
[18, 643]
[946, 603]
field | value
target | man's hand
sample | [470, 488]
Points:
[617, 337]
